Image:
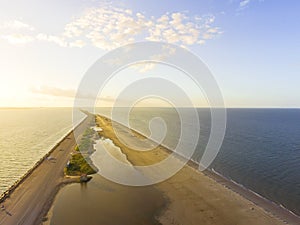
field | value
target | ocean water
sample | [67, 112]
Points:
[261, 148]
[25, 136]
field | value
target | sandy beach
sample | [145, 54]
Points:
[189, 197]
[31, 198]
[192, 197]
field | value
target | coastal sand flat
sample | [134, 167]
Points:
[194, 198]
[33, 197]
[191, 196]
[102, 202]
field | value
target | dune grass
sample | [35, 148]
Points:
[80, 162]
[78, 165]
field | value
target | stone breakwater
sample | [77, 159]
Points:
[8, 192]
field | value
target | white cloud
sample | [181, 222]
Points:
[66, 93]
[16, 32]
[244, 3]
[144, 67]
[16, 25]
[53, 91]
[52, 38]
[108, 27]
[201, 42]
[17, 38]
[78, 43]
[180, 29]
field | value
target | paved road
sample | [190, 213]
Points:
[32, 198]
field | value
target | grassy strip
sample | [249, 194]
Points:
[86, 142]
[80, 163]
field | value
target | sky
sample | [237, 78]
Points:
[251, 47]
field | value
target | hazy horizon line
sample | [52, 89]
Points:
[230, 107]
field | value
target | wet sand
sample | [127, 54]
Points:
[192, 197]
[30, 199]
[103, 202]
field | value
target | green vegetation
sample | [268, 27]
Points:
[86, 143]
[78, 163]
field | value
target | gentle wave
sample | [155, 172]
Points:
[261, 149]
[26, 135]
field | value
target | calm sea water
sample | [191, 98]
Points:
[25, 136]
[261, 149]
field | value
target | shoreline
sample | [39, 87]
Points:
[9, 191]
[37, 188]
[282, 212]
[166, 214]
[274, 210]
[267, 204]
[277, 210]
